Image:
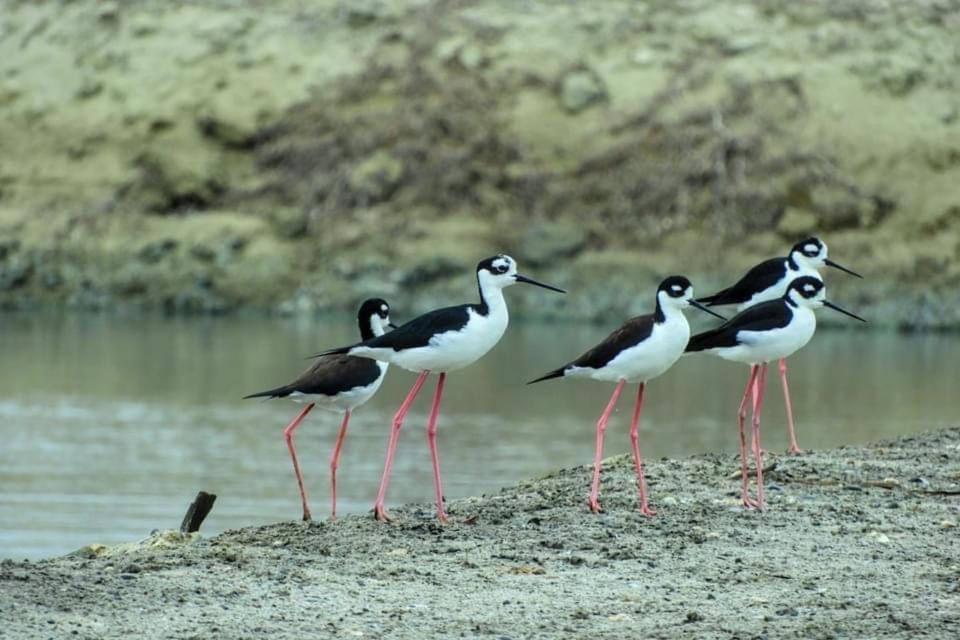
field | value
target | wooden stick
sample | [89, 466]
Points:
[197, 512]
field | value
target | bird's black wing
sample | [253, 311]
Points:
[417, 332]
[760, 277]
[329, 376]
[765, 316]
[632, 332]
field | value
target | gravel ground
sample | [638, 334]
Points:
[858, 542]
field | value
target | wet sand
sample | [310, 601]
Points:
[857, 542]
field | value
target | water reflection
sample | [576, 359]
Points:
[110, 425]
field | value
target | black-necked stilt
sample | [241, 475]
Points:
[768, 281]
[640, 350]
[768, 331]
[441, 341]
[336, 383]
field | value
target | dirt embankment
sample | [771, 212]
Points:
[299, 155]
[857, 542]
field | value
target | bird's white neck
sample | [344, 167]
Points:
[802, 265]
[494, 301]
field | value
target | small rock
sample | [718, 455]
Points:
[879, 538]
[580, 89]
[643, 57]
[143, 26]
[88, 88]
[108, 11]
[360, 13]
[377, 177]
[545, 242]
[796, 222]
[694, 616]
[154, 252]
[16, 273]
[289, 222]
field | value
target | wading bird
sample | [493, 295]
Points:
[768, 281]
[764, 332]
[336, 383]
[640, 350]
[441, 341]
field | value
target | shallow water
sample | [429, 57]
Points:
[110, 425]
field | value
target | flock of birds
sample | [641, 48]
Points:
[775, 301]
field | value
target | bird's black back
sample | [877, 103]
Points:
[419, 331]
[329, 376]
[773, 314]
[758, 278]
[633, 332]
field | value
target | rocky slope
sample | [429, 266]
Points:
[300, 155]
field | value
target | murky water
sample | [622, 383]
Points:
[109, 426]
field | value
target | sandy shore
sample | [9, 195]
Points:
[858, 542]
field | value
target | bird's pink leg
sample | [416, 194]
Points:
[637, 459]
[794, 448]
[379, 511]
[601, 428]
[288, 436]
[748, 502]
[335, 462]
[432, 439]
[760, 387]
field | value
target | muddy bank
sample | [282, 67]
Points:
[858, 542]
[221, 155]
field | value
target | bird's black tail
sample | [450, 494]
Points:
[556, 373]
[334, 352]
[700, 342]
[279, 392]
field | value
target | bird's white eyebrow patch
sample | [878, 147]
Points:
[383, 307]
[809, 287]
[676, 287]
[811, 248]
[502, 262]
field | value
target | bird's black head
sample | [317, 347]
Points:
[497, 272]
[812, 248]
[807, 291]
[676, 287]
[677, 292]
[373, 318]
[805, 288]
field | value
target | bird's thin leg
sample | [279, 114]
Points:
[748, 502]
[379, 511]
[637, 459]
[793, 448]
[760, 387]
[432, 440]
[288, 436]
[335, 462]
[601, 428]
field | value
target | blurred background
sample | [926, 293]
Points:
[224, 181]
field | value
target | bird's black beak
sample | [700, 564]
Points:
[391, 325]
[831, 263]
[703, 307]
[830, 305]
[520, 278]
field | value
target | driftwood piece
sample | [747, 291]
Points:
[197, 512]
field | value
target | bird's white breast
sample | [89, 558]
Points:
[647, 359]
[764, 346]
[454, 350]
